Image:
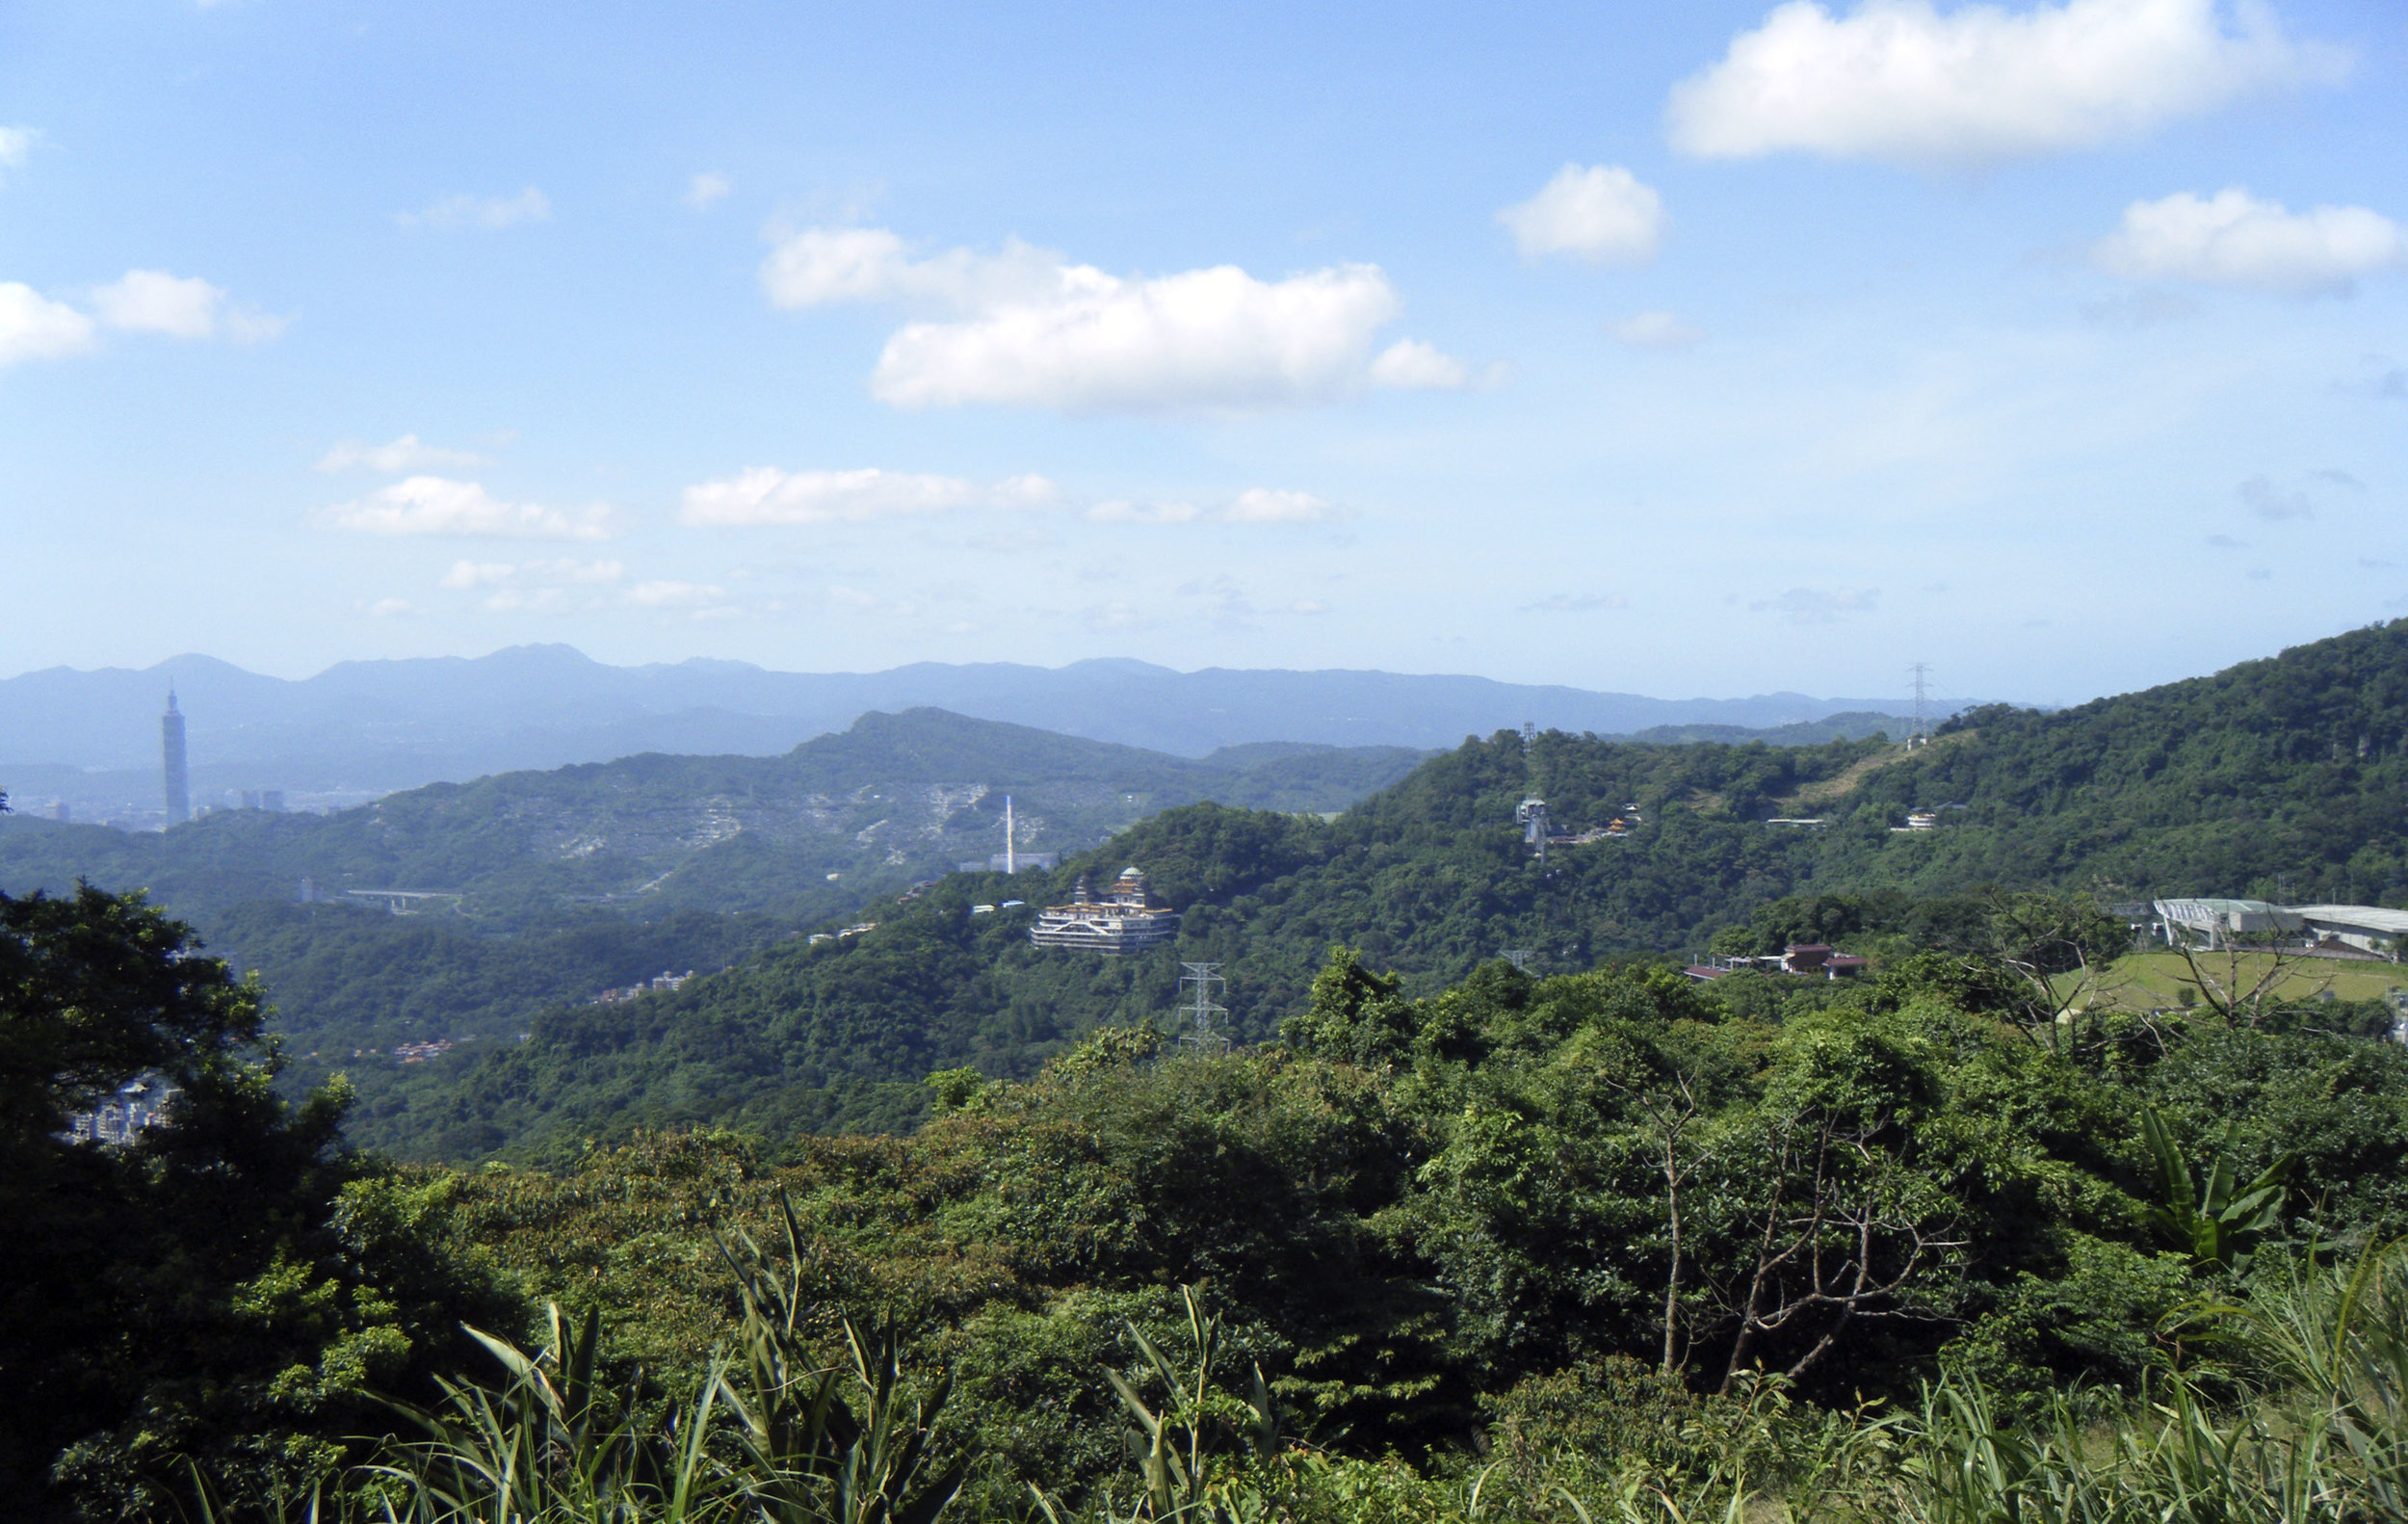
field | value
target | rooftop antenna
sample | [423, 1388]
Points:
[1206, 977]
[1011, 864]
[1917, 736]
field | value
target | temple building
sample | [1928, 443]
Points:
[1127, 919]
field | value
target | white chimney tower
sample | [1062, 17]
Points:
[1011, 863]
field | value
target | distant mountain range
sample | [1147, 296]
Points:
[363, 729]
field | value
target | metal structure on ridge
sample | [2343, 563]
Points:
[1206, 977]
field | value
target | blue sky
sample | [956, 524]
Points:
[1679, 349]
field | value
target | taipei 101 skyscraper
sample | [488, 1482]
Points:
[171, 749]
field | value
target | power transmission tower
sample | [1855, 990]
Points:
[1918, 736]
[1206, 977]
[1519, 957]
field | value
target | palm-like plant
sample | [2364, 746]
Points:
[2220, 1222]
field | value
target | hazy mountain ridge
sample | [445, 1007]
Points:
[895, 797]
[375, 727]
[2288, 770]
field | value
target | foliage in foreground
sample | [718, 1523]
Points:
[771, 1438]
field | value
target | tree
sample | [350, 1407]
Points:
[221, 1288]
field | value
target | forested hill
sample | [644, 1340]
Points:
[2216, 785]
[2286, 778]
[895, 798]
[556, 887]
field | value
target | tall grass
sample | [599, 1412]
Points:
[2318, 1434]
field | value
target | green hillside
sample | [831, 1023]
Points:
[2223, 784]
[896, 798]
[561, 884]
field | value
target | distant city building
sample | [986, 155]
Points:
[179, 780]
[1128, 919]
[658, 983]
[57, 810]
[137, 1106]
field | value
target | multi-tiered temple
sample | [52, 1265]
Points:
[1127, 919]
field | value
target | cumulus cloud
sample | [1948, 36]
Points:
[390, 608]
[16, 146]
[1117, 511]
[1024, 327]
[1411, 365]
[2267, 501]
[564, 572]
[491, 212]
[1258, 504]
[1264, 505]
[1818, 606]
[1656, 330]
[706, 188]
[404, 453]
[1602, 213]
[34, 327]
[435, 505]
[179, 306]
[1898, 81]
[2234, 238]
[767, 495]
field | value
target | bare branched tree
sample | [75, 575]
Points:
[1847, 1235]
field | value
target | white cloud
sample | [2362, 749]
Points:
[1264, 505]
[706, 188]
[492, 212]
[435, 505]
[1601, 214]
[179, 306]
[765, 495]
[154, 301]
[478, 574]
[1256, 506]
[823, 265]
[391, 607]
[1024, 327]
[1816, 606]
[16, 144]
[1656, 330]
[1899, 82]
[564, 572]
[34, 327]
[2234, 238]
[1409, 364]
[404, 453]
[1126, 512]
